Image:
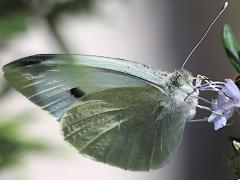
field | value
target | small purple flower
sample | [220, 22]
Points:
[230, 89]
[225, 105]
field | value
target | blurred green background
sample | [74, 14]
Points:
[16, 17]
[160, 33]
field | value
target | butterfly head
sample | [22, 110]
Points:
[181, 80]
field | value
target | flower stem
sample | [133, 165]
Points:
[53, 30]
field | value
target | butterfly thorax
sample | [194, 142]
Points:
[180, 89]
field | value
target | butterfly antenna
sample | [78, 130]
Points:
[209, 28]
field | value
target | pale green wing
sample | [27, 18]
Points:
[55, 81]
[135, 128]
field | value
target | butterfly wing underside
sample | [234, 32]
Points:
[112, 110]
[129, 127]
[50, 81]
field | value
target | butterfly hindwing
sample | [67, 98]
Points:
[129, 127]
[54, 82]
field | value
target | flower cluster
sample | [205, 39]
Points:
[226, 103]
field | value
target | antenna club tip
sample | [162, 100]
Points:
[226, 4]
[196, 46]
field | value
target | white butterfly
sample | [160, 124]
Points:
[119, 112]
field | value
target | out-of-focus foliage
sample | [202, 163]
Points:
[231, 47]
[4, 89]
[71, 6]
[12, 24]
[233, 159]
[13, 145]
[15, 15]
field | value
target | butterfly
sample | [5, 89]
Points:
[118, 112]
[115, 111]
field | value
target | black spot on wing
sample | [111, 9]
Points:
[76, 92]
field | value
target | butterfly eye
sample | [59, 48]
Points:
[179, 81]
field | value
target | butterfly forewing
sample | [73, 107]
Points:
[129, 127]
[48, 80]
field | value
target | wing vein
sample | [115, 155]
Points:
[153, 148]
[80, 128]
[54, 102]
[131, 152]
[115, 125]
[97, 114]
[32, 84]
[44, 91]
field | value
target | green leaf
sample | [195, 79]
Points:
[233, 159]
[231, 47]
[12, 24]
[15, 14]
[4, 90]
[71, 6]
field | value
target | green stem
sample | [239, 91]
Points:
[53, 30]
[4, 90]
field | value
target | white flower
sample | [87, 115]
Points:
[225, 105]
[236, 145]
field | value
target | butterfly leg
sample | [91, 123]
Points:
[209, 109]
[185, 99]
[203, 107]
[198, 120]
[198, 97]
